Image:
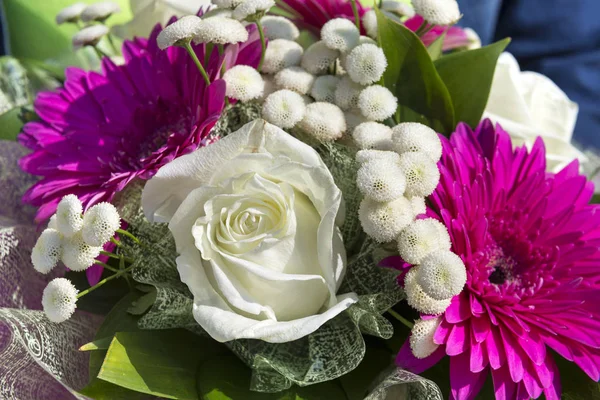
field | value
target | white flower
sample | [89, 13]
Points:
[220, 30]
[89, 36]
[421, 238]
[323, 121]
[270, 86]
[70, 13]
[384, 221]
[372, 135]
[473, 38]
[347, 92]
[227, 3]
[418, 205]
[340, 34]
[59, 300]
[397, 7]
[421, 337]
[69, 212]
[381, 180]
[251, 8]
[415, 137]
[277, 27]
[318, 58]
[366, 64]
[47, 251]
[296, 79]
[438, 12]
[377, 103]
[99, 11]
[100, 223]
[255, 219]
[442, 275]
[281, 54]
[77, 255]
[244, 83]
[182, 30]
[418, 299]
[284, 108]
[323, 88]
[353, 119]
[52, 224]
[369, 21]
[422, 174]
[362, 40]
[364, 156]
[528, 105]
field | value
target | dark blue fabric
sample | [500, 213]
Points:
[558, 38]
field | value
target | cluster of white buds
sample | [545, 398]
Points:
[245, 10]
[438, 12]
[93, 15]
[73, 237]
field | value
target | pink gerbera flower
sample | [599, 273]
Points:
[103, 130]
[530, 243]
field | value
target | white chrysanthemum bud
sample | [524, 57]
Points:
[251, 9]
[421, 238]
[69, 220]
[437, 12]
[347, 92]
[421, 337]
[353, 119]
[284, 108]
[77, 254]
[318, 58]
[59, 300]
[366, 64]
[384, 221]
[281, 54]
[296, 79]
[270, 86]
[415, 137]
[418, 205]
[324, 87]
[47, 251]
[99, 11]
[442, 275]
[324, 121]
[369, 21]
[70, 13]
[364, 156]
[180, 31]
[344, 56]
[372, 135]
[244, 83]
[89, 36]
[418, 299]
[474, 39]
[422, 174]
[340, 34]
[307, 99]
[100, 224]
[220, 30]
[381, 180]
[399, 8]
[277, 27]
[227, 3]
[377, 103]
[52, 223]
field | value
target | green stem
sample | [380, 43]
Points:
[421, 28]
[221, 49]
[100, 53]
[108, 267]
[356, 16]
[109, 254]
[122, 267]
[129, 235]
[115, 241]
[105, 280]
[192, 54]
[263, 43]
[112, 44]
[400, 318]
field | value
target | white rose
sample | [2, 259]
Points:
[528, 105]
[255, 219]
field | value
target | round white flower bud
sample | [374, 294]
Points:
[227, 3]
[277, 27]
[70, 13]
[100, 224]
[47, 251]
[418, 205]
[442, 275]
[244, 83]
[384, 221]
[284, 108]
[77, 255]
[220, 30]
[59, 300]
[366, 64]
[270, 86]
[421, 337]
[52, 223]
[421, 238]
[69, 220]
[89, 36]
[437, 12]
[474, 39]
[422, 174]
[399, 8]
[418, 299]
[353, 119]
[99, 11]
[318, 58]
[324, 121]
[324, 87]
[364, 156]
[372, 135]
[250, 8]
[377, 103]
[296, 79]
[347, 92]
[415, 137]
[340, 34]
[281, 54]
[344, 56]
[381, 180]
[369, 21]
[182, 30]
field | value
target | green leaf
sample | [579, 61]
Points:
[144, 303]
[468, 76]
[10, 123]
[435, 49]
[100, 344]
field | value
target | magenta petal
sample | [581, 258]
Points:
[464, 384]
[94, 273]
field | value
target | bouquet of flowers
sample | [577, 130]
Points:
[301, 199]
